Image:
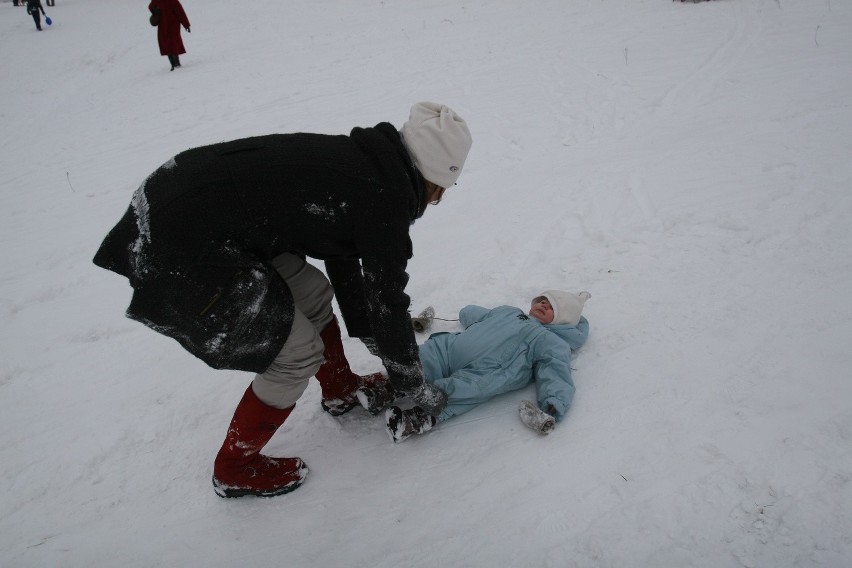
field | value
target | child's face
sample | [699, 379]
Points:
[541, 310]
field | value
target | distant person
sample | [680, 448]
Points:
[33, 8]
[171, 18]
[500, 350]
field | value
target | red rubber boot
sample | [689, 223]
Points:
[240, 469]
[339, 384]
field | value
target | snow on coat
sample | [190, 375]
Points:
[197, 241]
[499, 351]
[172, 17]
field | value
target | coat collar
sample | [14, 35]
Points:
[394, 162]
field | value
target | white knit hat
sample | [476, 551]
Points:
[438, 141]
[567, 307]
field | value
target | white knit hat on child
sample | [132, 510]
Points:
[567, 307]
[438, 140]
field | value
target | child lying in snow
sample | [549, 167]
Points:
[500, 350]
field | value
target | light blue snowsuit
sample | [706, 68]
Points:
[502, 350]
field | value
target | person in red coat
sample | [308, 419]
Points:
[171, 18]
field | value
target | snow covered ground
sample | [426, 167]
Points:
[688, 164]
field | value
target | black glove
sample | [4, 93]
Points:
[430, 398]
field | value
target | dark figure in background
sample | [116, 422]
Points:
[172, 17]
[33, 8]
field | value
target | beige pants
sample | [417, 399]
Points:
[281, 385]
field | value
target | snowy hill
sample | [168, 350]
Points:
[688, 164]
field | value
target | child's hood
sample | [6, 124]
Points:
[567, 306]
[573, 335]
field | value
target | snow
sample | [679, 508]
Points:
[687, 164]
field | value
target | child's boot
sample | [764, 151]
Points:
[402, 424]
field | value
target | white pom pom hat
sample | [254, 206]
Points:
[438, 140]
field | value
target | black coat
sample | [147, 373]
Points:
[198, 236]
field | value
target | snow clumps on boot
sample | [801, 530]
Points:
[402, 424]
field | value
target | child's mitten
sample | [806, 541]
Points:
[535, 418]
[423, 321]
